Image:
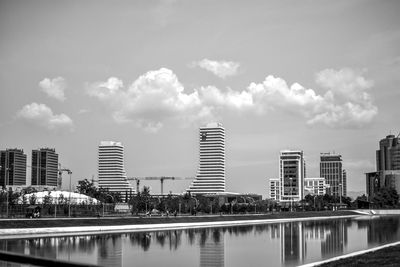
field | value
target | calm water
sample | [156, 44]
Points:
[281, 244]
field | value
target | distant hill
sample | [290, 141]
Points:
[355, 194]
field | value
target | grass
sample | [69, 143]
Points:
[65, 222]
[383, 258]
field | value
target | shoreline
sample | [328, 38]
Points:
[158, 224]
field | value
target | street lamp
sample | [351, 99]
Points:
[291, 194]
[69, 201]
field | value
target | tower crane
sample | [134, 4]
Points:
[160, 178]
[60, 171]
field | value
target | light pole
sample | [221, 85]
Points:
[291, 194]
[340, 193]
[69, 201]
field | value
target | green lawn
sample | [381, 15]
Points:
[383, 258]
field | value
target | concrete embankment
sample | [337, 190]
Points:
[350, 255]
[13, 233]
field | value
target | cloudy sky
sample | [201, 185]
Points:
[313, 75]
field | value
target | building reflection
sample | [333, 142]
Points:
[296, 240]
[295, 236]
[382, 231]
[212, 248]
[293, 246]
[335, 238]
[109, 251]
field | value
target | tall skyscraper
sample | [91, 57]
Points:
[291, 175]
[111, 168]
[13, 167]
[44, 167]
[331, 168]
[210, 176]
[388, 155]
[387, 172]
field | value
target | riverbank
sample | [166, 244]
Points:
[384, 257]
[136, 220]
[21, 228]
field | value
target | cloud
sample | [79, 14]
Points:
[221, 69]
[54, 88]
[157, 96]
[43, 116]
[346, 102]
[151, 99]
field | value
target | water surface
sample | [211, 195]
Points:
[279, 244]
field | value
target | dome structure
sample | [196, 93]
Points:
[59, 197]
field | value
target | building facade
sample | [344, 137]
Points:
[44, 167]
[291, 175]
[315, 186]
[388, 155]
[111, 170]
[331, 168]
[13, 167]
[274, 190]
[387, 172]
[210, 176]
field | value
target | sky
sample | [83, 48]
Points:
[320, 76]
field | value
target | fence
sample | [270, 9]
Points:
[53, 210]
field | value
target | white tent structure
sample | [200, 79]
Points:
[60, 197]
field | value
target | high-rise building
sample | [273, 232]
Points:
[291, 175]
[44, 167]
[331, 168]
[388, 155]
[210, 176]
[387, 172]
[13, 167]
[111, 170]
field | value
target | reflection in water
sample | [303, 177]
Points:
[293, 244]
[297, 243]
[294, 237]
[110, 251]
[335, 239]
[212, 249]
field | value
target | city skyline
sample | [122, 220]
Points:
[311, 76]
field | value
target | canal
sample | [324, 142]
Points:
[278, 244]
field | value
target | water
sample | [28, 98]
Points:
[280, 244]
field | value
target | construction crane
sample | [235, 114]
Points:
[160, 178]
[60, 171]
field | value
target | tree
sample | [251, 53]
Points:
[386, 198]
[48, 199]
[87, 188]
[32, 199]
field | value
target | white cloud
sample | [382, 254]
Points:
[221, 69]
[150, 100]
[346, 103]
[158, 96]
[42, 115]
[54, 88]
